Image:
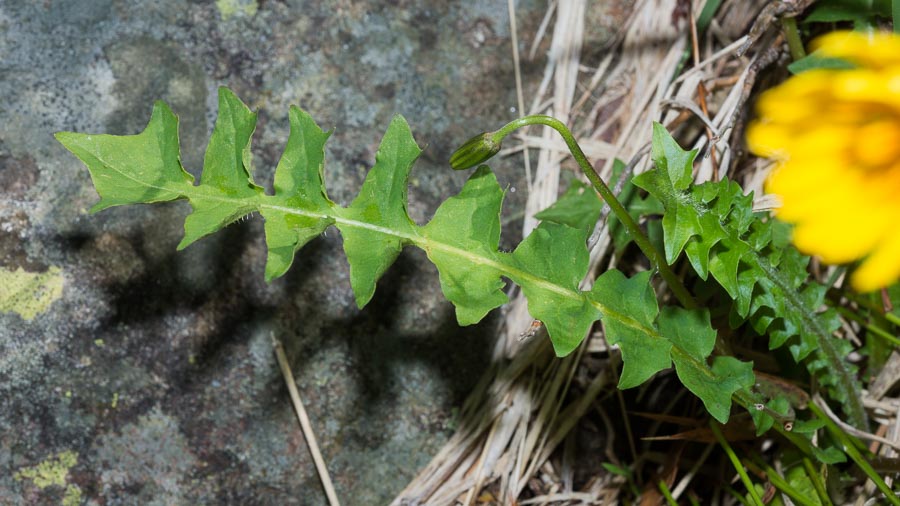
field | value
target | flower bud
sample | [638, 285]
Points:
[476, 150]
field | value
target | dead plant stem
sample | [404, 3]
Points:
[305, 426]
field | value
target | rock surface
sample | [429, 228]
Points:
[149, 376]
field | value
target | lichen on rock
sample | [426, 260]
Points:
[29, 294]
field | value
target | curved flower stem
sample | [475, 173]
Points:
[895, 15]
[656, 258]
[792, 34]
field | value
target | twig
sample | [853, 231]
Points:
[701, 98]
[304, 423]
[838, 432]
[520, 101]
[849, 429]
[713, 132]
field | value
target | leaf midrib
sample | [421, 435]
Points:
[186, 189]
[203, 193]
[808, 321]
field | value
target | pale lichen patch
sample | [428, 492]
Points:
[228, 8]
[52, 471]
[29, 294]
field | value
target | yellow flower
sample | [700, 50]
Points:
[836, 137]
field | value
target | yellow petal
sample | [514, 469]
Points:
[874, 50]
[839, 237]
[867, 86]
[881, 268]
[878, 143]
[836, 137]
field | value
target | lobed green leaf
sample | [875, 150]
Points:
[381, 204]
[748, 256]
[469, 221]
[462, 239]
[133, 169]
[299, 184]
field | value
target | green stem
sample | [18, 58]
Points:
[891, 317]
[736, 462]
[667, 493]
[871, 327]
[895, 15]
[835, 296]
[656, 258]
[734, 493]
[793, 38]
[784, 487]
[816, 481]
[850, 449]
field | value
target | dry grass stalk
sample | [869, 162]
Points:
[527, 405]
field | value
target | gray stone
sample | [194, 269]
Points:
[154, 367]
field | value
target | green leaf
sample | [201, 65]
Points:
[830, 455]
[715, 390]
[706, 15]
[643, 354]
[470, 223]
[636, 205]
[698, 247]
[798, 479]
[462, 239]
[133, 169]
[299, 184]
[578, 208]
[381, 205]
[679, 225]
[618, 470]
[694, 340]
[689, 329]
[750, 258]
[815, 61]
[226, 172]
[558, 254]
[673, 161]
[226, 164]
[808, 426]
[673, 175]
[683, 337]
[834, 11]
